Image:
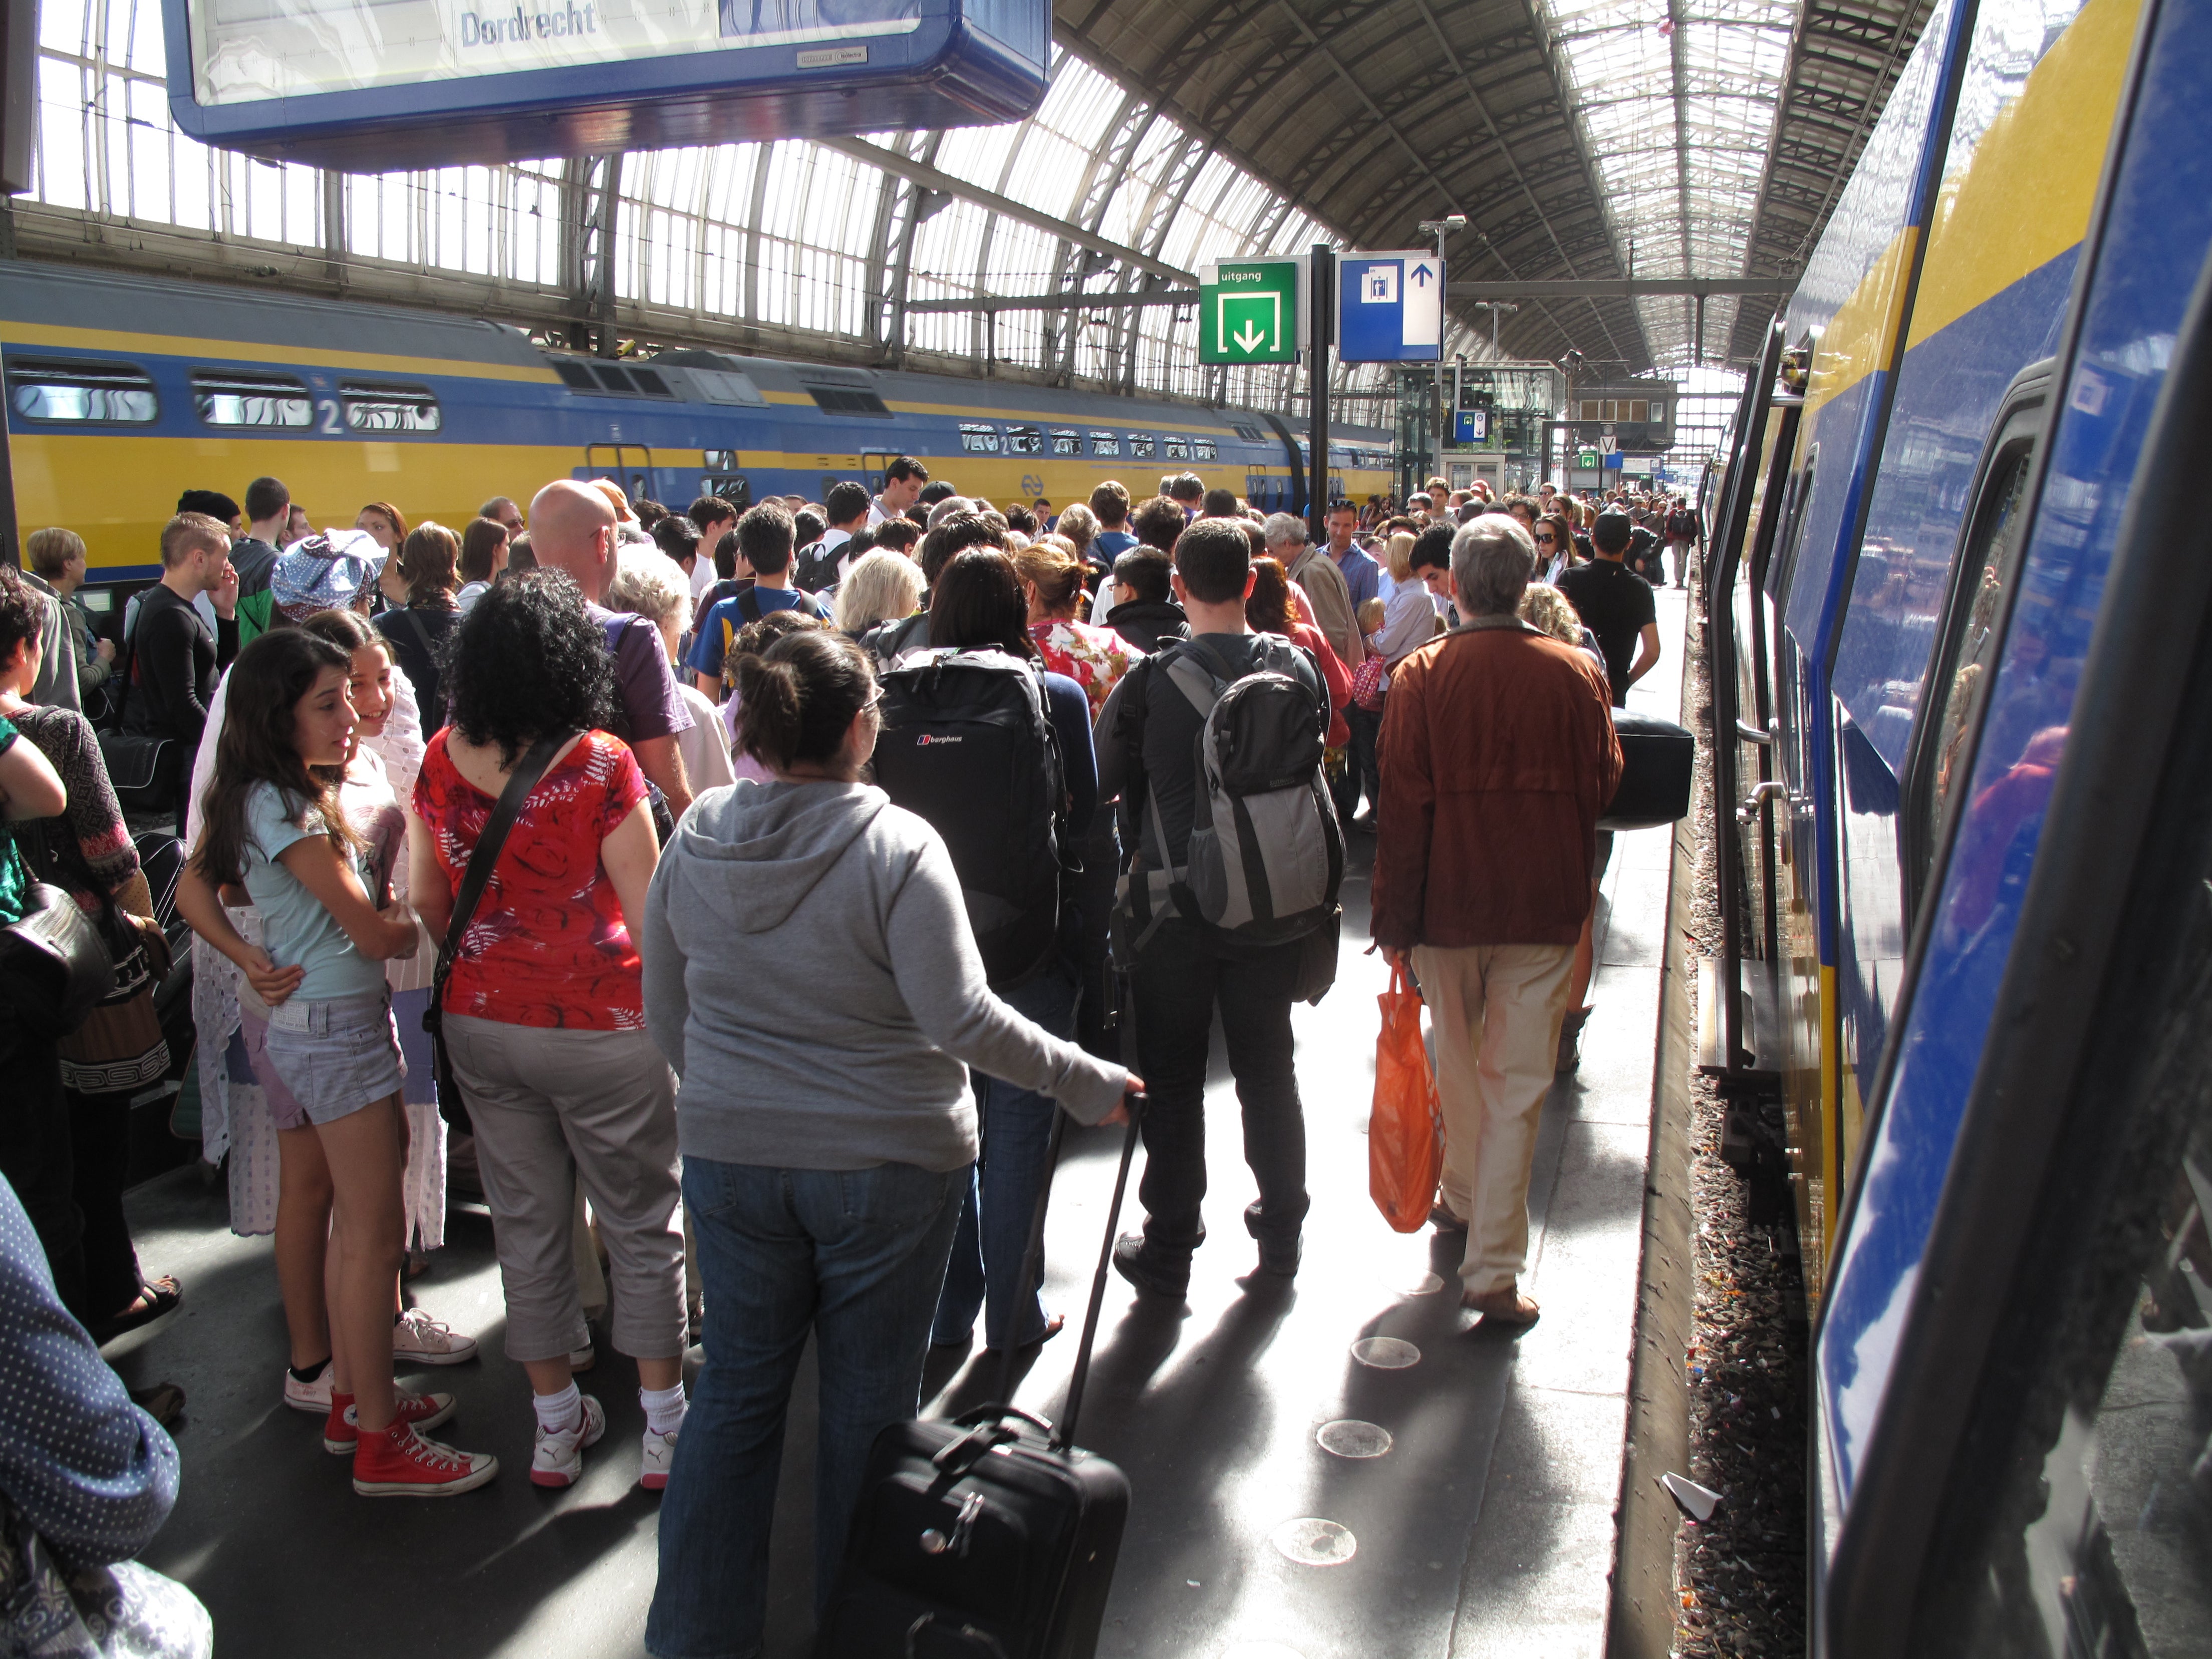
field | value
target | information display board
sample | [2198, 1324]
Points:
[1248, 311]
[370, 85]
[1390, 308]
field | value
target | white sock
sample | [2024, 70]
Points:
[556, 1412]
[664, 1408]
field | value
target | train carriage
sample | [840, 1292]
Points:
[1959, 612]
[119, 386]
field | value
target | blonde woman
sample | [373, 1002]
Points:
[651, 584]
[881, 586]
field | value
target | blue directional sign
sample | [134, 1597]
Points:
[1471, 426]
[380, 85]
[1390, 308]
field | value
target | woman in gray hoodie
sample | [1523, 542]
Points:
[810, 975]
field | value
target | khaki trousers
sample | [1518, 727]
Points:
[1496, 1010]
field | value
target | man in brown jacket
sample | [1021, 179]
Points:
[1497, 756]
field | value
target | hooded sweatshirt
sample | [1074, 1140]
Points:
[810, 975]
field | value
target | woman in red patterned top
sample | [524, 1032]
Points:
[1094, 658]
[544, 1012]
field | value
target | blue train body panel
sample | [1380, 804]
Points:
[2154, 242]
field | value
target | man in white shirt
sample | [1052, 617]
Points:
[902, 482]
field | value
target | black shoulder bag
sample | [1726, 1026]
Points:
[474, 881]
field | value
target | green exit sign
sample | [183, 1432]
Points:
[1587, 459]
[1248, 312]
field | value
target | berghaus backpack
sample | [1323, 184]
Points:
[968, 743]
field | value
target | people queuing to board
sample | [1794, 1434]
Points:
[492, 836]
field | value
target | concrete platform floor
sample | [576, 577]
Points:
[1487, 1528]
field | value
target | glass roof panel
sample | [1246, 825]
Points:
[1677, 104]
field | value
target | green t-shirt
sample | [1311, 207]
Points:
[15, 879]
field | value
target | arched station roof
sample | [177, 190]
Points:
[1585, 140]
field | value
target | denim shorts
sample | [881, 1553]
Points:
[320, 1061]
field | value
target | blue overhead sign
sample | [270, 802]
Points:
[369, 86]
[1390, 308]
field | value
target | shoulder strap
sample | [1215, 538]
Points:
[422, 634]
[749, 606]
[478, 875]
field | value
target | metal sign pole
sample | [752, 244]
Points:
[1321, 298]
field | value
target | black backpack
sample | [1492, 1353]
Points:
[816, 566]
[968, 745]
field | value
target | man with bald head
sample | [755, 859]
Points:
[571, 528]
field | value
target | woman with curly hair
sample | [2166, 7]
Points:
[544, 1014]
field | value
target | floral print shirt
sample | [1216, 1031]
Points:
[1094, 658]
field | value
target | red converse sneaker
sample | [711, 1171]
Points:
[401, 1463]
[342, 1428]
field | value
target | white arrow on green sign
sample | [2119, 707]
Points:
[1248, 312]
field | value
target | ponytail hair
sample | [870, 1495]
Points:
[797, 699]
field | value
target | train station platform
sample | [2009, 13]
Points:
[1337, 1468]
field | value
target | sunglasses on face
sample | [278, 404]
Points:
[1545, 538]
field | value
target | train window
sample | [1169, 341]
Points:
[978, 439]
[1202, 449]
[732, 489]
[612, 377]
[1250, 435]
[1140, 445]
[1177, 449]
[1639, 411]
[723, 386]
[719, 460]
[50, 389]
[227, 399]
[1066, 441]
[377, 406]
[848, 400]
[649, 382]
[575, 375]
[1025, 440]
[1985, 572]
[1105, 443]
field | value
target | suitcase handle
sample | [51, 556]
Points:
[969, 1640]
[983, 1414]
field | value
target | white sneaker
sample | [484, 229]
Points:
[422, 1340]
[660, 1458]
[314, 1396]
[559, 1458]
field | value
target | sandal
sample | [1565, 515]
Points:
[155, 1298]
[164, 1402]
[1505, 1307]
[1053, 1327]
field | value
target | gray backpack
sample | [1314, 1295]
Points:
[1266, 857]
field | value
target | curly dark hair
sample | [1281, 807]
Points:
[528, 661]
[22, 611]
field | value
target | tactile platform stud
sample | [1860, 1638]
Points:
[1386, 1353]
[1313, 1542]
[1348, 1436]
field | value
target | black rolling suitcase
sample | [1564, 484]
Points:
[993, 1536]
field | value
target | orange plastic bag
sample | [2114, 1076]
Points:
[1405, 1133]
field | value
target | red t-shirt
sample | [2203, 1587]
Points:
[547, 945]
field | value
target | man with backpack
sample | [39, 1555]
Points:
[765, 535]
[821, 565]
[1230, 901]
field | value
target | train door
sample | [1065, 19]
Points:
[630, 465]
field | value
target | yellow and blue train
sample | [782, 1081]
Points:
[124, 391]
[1961, 613]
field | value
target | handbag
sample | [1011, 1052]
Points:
[474, 881]
[1371, 683]
[1658, 760]
[141, 765]
[54, 966]
[1404, 1131]
[91, 1612]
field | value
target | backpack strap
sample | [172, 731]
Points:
[749, 604]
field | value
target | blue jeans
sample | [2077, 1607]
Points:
[856, 1257]
[1002, 1190]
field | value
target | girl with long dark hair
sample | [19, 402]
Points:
[321, 1018]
